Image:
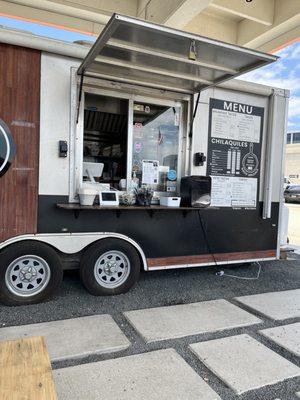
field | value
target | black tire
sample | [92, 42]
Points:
[98, 250]
[50, 266]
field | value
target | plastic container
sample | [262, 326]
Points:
[87, 196]
[170, 201]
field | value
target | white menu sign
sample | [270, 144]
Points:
[235, 126]
[230, 191]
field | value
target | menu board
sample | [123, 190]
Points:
[234, 153]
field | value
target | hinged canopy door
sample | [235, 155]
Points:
[135, 51]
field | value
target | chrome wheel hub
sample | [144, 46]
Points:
[112, 269]
[27, 275]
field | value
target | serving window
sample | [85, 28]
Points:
[155, 144]
[105, 138]
[125, 138]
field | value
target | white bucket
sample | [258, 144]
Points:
[87, 196]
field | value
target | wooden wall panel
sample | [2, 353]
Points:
[209, 258]
[20, 109]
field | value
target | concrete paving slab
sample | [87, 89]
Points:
[274, 305]
[157, 375]
[287, 336]
[74, 338]
[172, 322]
[243, 363]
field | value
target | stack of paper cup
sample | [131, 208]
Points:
[87, 196]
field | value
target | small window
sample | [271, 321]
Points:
[296, 137]
[289, 138]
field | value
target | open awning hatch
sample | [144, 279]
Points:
[142, 53]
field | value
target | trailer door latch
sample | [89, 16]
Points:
[63, 148]
[199, 159]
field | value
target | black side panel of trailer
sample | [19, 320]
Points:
[165, 233]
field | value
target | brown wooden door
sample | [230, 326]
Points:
[19, 109]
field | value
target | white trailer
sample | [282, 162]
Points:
[141, 92]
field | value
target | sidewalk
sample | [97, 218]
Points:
[242, 363]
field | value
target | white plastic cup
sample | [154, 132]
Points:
[87, 196]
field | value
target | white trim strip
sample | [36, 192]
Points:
[269, 159]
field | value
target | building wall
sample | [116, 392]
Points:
[20, 110]
[292, 162]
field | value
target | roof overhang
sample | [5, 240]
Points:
[143, 53]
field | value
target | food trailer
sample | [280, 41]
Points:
[186, 162]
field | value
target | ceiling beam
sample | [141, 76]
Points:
[46, 18]
[251, 34]
[258, 11]
[262, 24]
[62, 9]
[185, 12]
[209, 25]
[281, 41]
[173, 13]
[286, 25]
[85, 16]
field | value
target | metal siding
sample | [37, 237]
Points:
[170, 232]
[148, 53]
[200, 136]
[55, 123]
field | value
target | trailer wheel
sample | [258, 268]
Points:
[29, 273]
[110, 266]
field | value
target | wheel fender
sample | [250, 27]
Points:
[71, 243]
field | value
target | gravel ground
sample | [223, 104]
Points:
[171, 287]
